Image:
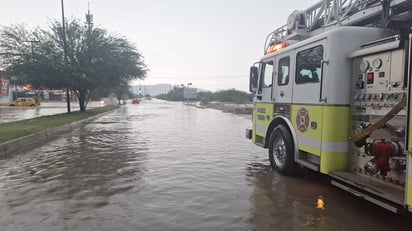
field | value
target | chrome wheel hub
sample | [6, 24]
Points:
[279, 152]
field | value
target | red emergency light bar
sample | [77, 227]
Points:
[275, 48]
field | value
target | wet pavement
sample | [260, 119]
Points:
[167, 166]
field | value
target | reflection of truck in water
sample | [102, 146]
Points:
[332, 93]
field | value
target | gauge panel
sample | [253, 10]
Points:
[364, 65]
[377, 63]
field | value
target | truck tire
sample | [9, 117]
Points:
[281, 151]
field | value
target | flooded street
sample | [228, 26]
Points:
[168, 166]
[9, 114]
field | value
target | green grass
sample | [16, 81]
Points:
[17, 129]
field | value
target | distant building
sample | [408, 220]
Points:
[151, 90]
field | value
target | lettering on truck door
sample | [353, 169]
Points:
[263, 100]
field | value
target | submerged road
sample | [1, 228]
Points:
[9, 114]
[167, 166]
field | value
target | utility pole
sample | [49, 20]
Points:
[65, 59]
[188, 92]
[89, 25]
[36, 93]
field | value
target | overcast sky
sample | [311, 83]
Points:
[209, 43]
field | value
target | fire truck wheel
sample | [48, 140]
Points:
[281, 151]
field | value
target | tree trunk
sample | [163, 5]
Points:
[82, 95]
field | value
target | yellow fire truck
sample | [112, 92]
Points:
[333, 93]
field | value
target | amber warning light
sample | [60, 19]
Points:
[275, 48]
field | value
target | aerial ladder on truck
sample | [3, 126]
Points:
[333, 93]
[328, 14]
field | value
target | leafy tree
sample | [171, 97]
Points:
[206, 97]
[96, 60]
[121, 92]
[229, 96]
[176, 94]
[233, 96]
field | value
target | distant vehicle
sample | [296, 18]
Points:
[135, 101]
[23, 101]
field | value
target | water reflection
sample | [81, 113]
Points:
[320, 203]
[299, 203]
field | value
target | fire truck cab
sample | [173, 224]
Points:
[332, 93]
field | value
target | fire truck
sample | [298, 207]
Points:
[332, 93]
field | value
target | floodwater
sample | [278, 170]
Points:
[9, 114]
[168, 166]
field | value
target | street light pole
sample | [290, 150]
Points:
[188, 92]
[36, 93]
[65, 58]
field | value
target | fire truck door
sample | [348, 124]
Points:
[263, 109]
[308, 106]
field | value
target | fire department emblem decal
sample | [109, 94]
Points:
[302, 120]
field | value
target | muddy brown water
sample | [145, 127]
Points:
[168, 166]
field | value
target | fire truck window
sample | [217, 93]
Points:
[283, 71]
[267, 74]
[308, 65]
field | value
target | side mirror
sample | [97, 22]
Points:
[253, 79]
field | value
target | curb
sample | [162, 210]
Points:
[10, 148]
